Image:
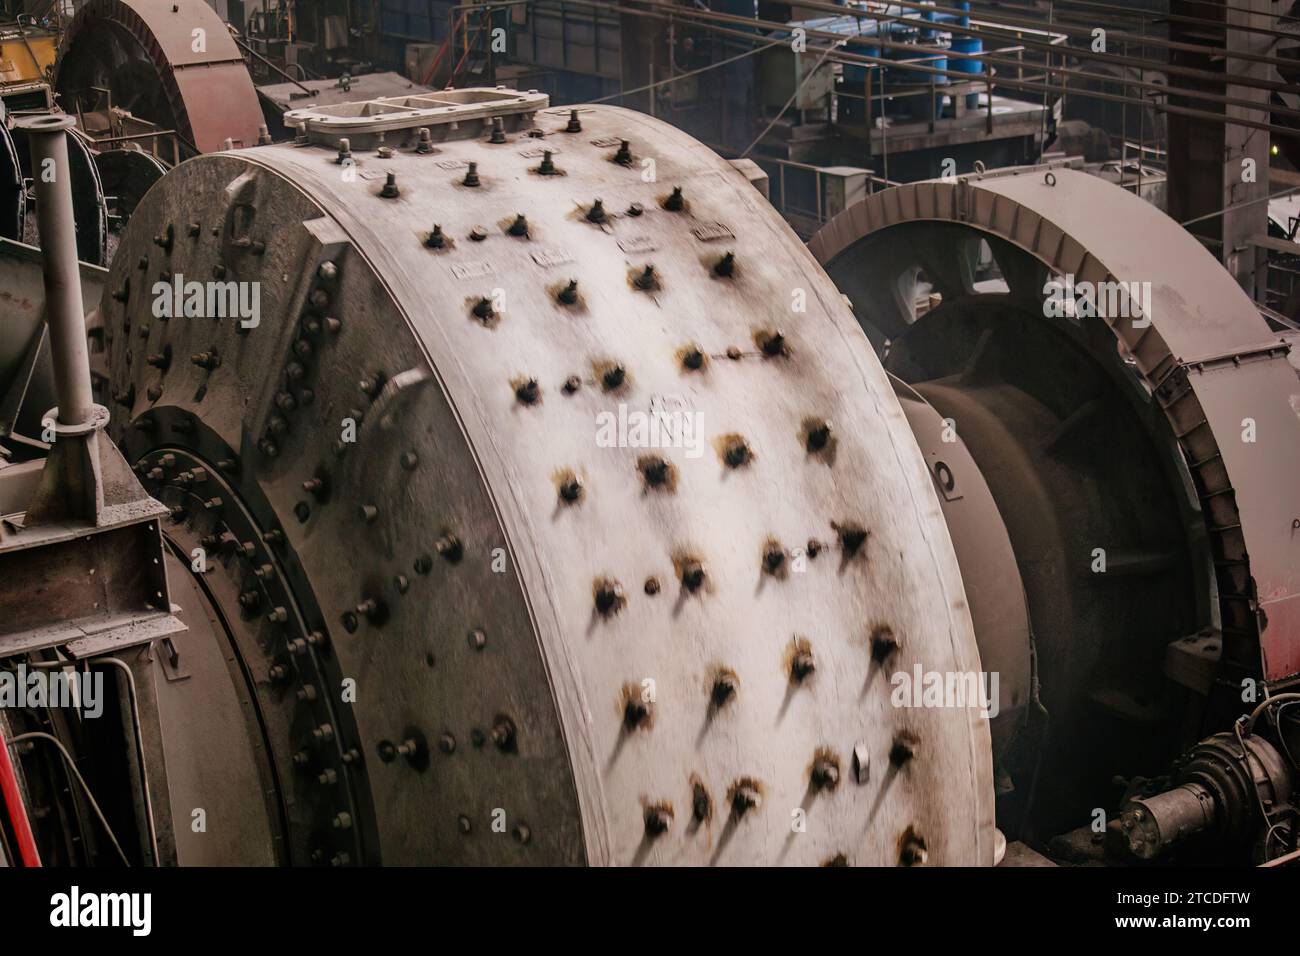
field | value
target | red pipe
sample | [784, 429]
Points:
[13, 802]
[446, 44]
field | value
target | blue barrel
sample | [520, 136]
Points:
[855, 74]
[967, 45]
[926, 56]
[964, 65]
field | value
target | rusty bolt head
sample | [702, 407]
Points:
[692, 575]
[656, 471]
[852, 538]
[737, 453]
[569, 294]
[597, 212]
[528, 392]
[657, 820]
[825, 772]
[701, 803]
[614, 377]
[636, 713]
[675, 202]
[773, 343]
[571, 489]
[745, 797]
[503, 733]
[609, 597]
[912, 851]
[725, 686]
[450, 548]
[802, 665]
[901, 752]
[819, 436]
[883, 644]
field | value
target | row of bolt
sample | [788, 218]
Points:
[219, 540]
[255, 598]
[296, 390]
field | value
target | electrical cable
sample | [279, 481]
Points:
[90, 797]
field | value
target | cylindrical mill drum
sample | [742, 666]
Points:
[553, 504]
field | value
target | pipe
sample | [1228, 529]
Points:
[64, 310]
[12, 800]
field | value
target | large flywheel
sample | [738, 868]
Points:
[173, 64]
[1131, 413]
